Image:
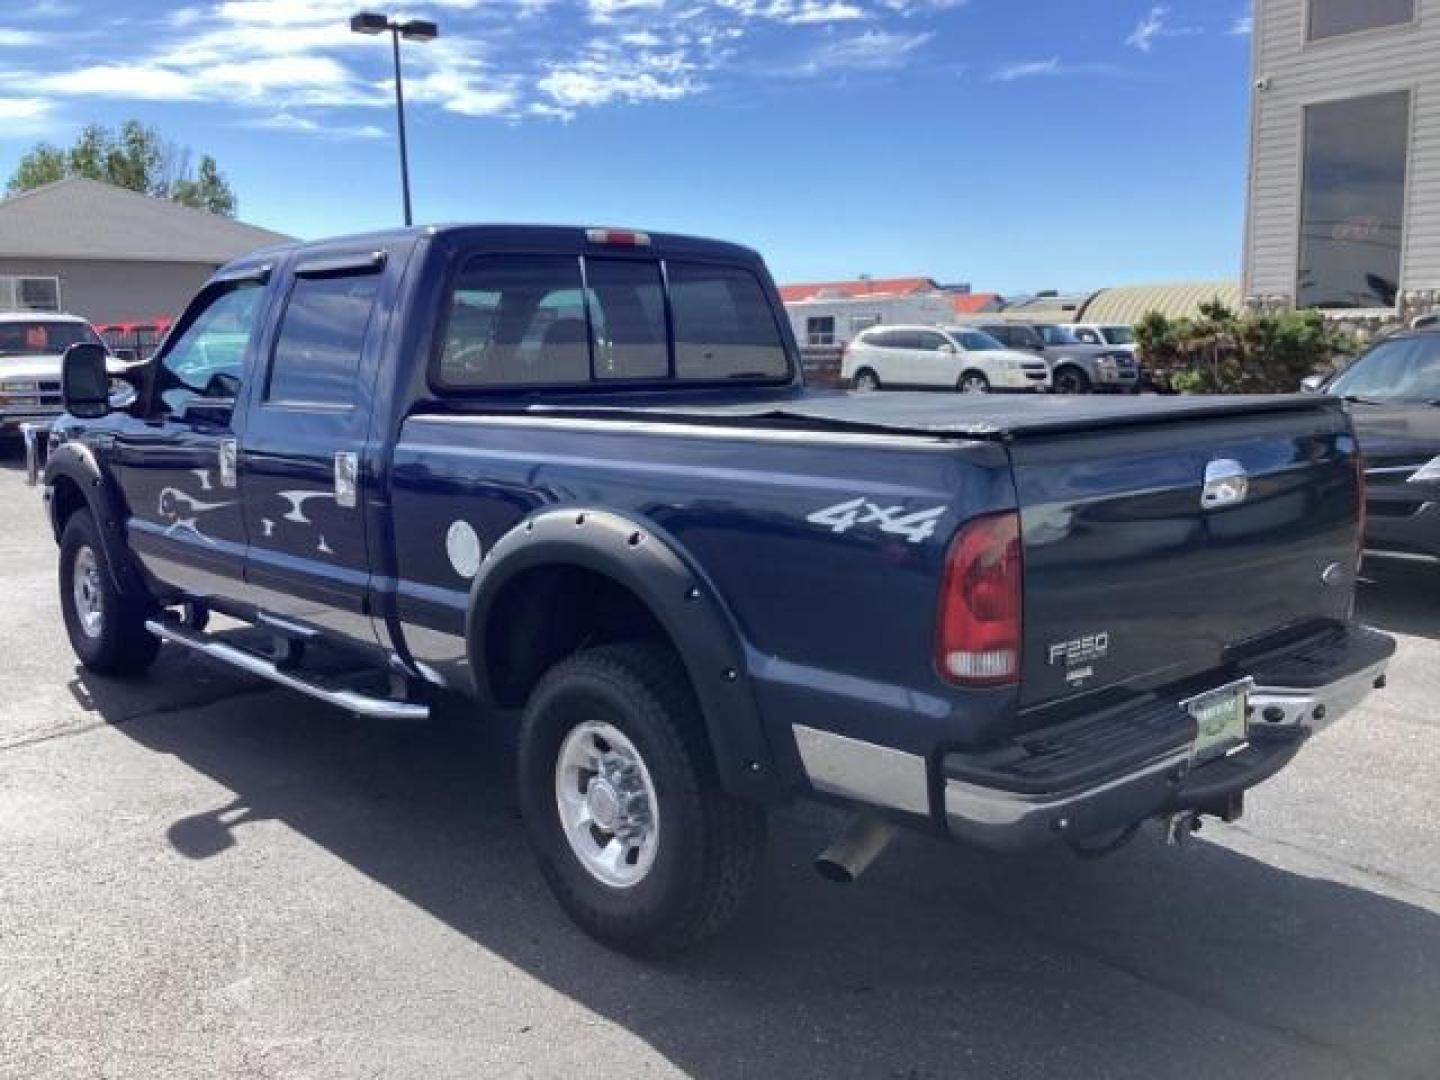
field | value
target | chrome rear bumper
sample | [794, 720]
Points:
[1012, 809]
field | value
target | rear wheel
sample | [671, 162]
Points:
[106, 627]
[636, 838]
[1071, 380]
[973, 382]
[866, 380]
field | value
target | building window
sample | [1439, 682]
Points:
[862, 322]
[1335, 18]
[29, 293]
[820, 330]
[1352, 202]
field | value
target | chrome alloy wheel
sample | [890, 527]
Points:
[607, 803]
[85, 587]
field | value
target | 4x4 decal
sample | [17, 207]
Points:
[915, 525]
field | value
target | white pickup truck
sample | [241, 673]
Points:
[31, 346]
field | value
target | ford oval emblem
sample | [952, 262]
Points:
[1226, 484]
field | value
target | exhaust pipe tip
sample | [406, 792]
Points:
[852, 852]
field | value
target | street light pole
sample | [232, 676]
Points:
[400, 121]
[414, 30]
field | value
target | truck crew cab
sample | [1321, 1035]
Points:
[574, 472]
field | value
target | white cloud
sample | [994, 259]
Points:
[24, 108]
[1155, 25]
[1028, 69]
[604, 11]
[25, 117]
[305, 125]
[1243, 25]
[908, 8]
[607, 75]
[1052, 66]
[814, 11]
[292, 65]
[1149, 28]
[872, 50]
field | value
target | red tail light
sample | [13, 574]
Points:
[977, 641]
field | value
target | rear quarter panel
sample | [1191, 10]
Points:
[836, 621]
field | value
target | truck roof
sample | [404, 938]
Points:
[522, 237]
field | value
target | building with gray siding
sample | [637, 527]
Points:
[111, 255]
[1344, 191]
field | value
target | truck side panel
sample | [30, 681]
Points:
[773, 524]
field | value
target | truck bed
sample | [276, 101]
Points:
[991, 416]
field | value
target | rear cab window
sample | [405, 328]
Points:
[523, 320]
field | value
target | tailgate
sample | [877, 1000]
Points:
[1131, 582]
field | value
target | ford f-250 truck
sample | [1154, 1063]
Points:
[575, 473]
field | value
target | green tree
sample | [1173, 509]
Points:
[133, 157]
[1221, 352]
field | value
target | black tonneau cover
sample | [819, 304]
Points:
[990, 416]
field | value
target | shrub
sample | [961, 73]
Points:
[1221, 352]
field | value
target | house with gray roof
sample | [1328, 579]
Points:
[110, 254]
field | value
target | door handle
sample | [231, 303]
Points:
[228, 454]
[347, 479]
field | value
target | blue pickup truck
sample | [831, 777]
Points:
[573, 476]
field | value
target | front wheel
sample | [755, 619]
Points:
[1071, 380]
[973, 382]
[106, 627]
[633, 832]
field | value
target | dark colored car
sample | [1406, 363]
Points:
[1393, 391]
[573, 476]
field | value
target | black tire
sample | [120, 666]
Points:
[1071, 380]
[973, 382]
[866, 379]
[708, 847]
[114, 642]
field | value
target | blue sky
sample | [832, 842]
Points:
[1014, 144]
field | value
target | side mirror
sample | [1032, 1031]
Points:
[947, 349]
[1312, 384]
[85, 381]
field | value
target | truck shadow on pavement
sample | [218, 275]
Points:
[941, 962]
[1402, 600]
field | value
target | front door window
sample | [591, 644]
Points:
[205, 365]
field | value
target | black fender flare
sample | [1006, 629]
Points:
[74, 461]
[650, 564]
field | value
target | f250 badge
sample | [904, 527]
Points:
[1079, 655]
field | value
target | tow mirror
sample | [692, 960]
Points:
[1312, 384]
[84, 380]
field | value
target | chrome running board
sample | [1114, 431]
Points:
[254, 664]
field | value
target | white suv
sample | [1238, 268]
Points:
[939, 358]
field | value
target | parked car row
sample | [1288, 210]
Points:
[993, 355]
[958, 358]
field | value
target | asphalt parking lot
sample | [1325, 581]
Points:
[201, 876]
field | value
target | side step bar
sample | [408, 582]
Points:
[350, 700]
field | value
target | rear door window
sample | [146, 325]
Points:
[725, 327]
[322, 334]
